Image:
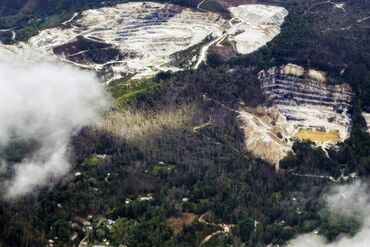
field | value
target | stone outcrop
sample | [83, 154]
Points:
[307, 100]
[366, 115]
[140, 39]
[306, 106]
[257, 24]
[292, 85]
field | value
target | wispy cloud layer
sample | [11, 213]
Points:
[47, 101]
[349, 200]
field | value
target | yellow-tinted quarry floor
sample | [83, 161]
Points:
[318, 136]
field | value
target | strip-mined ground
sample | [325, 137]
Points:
[139, 39]
[318, 136]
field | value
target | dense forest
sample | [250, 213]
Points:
[185, 168]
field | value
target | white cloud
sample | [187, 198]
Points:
[48, 101]
[350, 199]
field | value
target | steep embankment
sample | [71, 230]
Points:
[367, 119]
[305, 107]
[258, 24]
[142, 39]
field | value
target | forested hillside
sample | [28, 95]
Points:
[167, 166]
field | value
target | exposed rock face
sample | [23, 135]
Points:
[142, 38]
[230, 3]
[305, 106]
[258, 25]
[145, 34]
[367, 118]
[307, 100]
[291, 82]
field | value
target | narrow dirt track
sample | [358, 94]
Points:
[225, 229]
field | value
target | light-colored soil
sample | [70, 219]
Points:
[149, 33]
[259, 24]
[367, 118]
[318, 136]
[225, 229]
[305, 107]
[261, 126]
[234, 3]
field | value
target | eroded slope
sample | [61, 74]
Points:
[145, 34]
[305, 106]
[141, 39]
[264, 129]
[258, 24]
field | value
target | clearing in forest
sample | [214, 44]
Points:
[318, 136]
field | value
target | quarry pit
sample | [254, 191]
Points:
[140, 39]
[318, 135]
[305, 107]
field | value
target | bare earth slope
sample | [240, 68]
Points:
[140, 39]
[259, 25]
[305, 107]
[149, 32]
